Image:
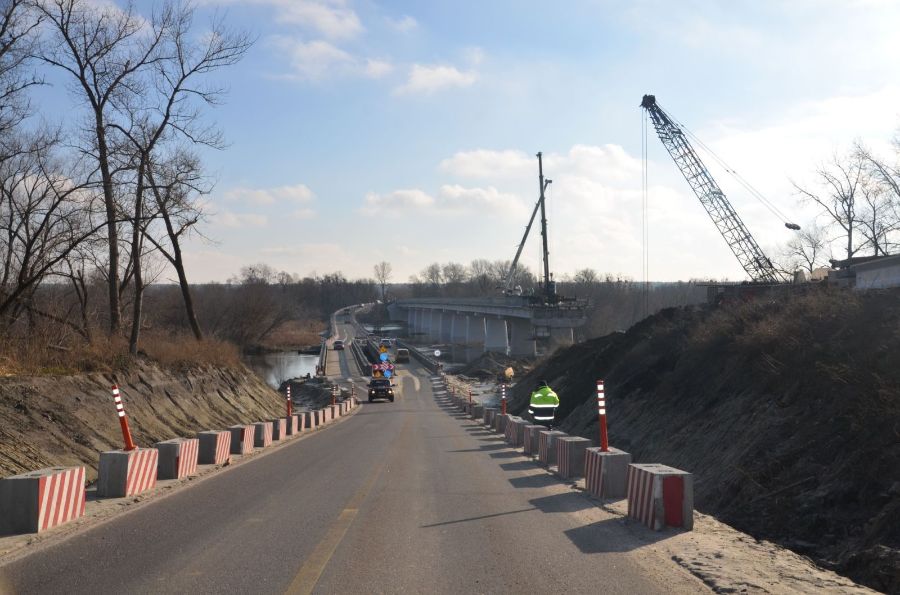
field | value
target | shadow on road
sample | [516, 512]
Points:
[521, 466]
[480, 448]
[606, 536]
[509, 454]
[565, 502]
[533, 481]
[477, 518]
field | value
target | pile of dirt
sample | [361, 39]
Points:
[69, 420]
[492, 366]
[787, 412]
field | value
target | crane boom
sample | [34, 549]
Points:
[729, 224]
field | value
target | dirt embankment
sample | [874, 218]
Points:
[69, 420]
[787, 412]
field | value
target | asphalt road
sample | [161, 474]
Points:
[402, 497]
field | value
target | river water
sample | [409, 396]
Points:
[277, 367]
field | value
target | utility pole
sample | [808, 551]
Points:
[544, 225]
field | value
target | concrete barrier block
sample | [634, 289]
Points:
[570, 456]
[177, 458]
[509, 433]
[547, 446]
[310, 420]
[241, 439]
[262, 434]
[500, 422]
[320, 417]
[489, 413]
[606, 473]
[477, 412]
[279, 428]
[292, 425]
[660, 496]
[215, 447]
[40, 500]
[126, 472]
[515, 431]
[530, 440]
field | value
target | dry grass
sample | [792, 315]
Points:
[34, 355]
[294, 334]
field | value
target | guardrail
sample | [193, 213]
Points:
[362, 362]
[432, 365]
[323, 357]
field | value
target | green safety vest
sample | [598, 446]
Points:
[544, 397]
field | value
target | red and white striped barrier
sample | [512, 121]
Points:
[515, 431]
[606, 473]
[320, 417]
[177, 458]
[292, 427]
[40, 500]
[241, 439]
[488, 416]
[262, 434]
[301, 422]
[215, 447]
[570, 456]
[311, 419]
[546, 446]
[500, 422]
[279, 428]
[127, 472]
[530, 440]
[660, 496]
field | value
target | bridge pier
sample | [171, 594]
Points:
[561, 336]
[495, 337]
[474, 330]
[521, 337]
[445, 327]
[459, 331]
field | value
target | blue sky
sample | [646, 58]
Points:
[363, 131]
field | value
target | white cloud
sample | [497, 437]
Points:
[458, 199]
[304, 214]
[403, 24]
[233, 220]
[424, 79]
[378, 68]
[268, 196]
[485, 163]
[331, 18]
[474, 55]
[314, 61]
[395, 203]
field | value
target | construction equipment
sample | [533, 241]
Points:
[549, 286]
[737, 236]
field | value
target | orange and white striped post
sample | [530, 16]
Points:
[123, 421]
[290, 404]
[601, 413]
[334, 390]
[503, 399]
[470, 395]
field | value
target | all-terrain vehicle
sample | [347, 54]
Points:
[381, 388]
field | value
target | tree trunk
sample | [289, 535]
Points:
[112, 232]
[136, 257]
[178, 263]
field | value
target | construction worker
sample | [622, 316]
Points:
[543, 404]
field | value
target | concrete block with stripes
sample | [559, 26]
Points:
[570, 456]
[320, 417]
[530, 440]
[500, 422]
[178, 458]
[660, 496]
[292, 425]
[279, 428]
[477, 411]
[242, 439]
[215, 447]
[547, 446]
[489, 413]
[262, 434]
[310, 419]
[40, 500]
[606, 473]
[126, 472]
[515, 431]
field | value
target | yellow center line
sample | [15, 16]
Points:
[309, 574]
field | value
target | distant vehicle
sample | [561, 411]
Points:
[381, 388]
[402, 356]
[338, 345]
[386, 342]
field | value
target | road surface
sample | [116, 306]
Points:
[403, 497]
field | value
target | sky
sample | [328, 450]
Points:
[362, 131]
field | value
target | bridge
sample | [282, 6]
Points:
[515, 325]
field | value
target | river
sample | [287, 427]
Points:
[277, 367]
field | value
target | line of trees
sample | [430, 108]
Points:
[108, 194]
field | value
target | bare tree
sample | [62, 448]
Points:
[433, 275]
[841, 180]
[808, 249]
[106, 51]
[383, 272]
[586, 276]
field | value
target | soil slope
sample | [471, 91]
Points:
[69, 420]
[787, 412]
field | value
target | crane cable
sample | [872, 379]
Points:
[731, 171]
[645, 223]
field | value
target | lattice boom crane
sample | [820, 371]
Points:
[729, 224]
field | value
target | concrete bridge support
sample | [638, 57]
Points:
[459, 332]
[475, 330]
[561, 337]
[446, 326]
[411, 321]
[495, 337]
[521, 337]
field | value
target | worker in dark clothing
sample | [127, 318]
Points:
[543, 404]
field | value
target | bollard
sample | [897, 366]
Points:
[503, 399]
[40, 500]
[547, 447]
[262, 434]
[530, 441]
[334, 391]
[126, 472]
[241, 439]
[660, 496]
[215, 447]
[123, 420]
[606, 473]
[570, 456]
[177, 458]
[601, 413]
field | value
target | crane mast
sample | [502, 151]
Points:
[729, 224]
